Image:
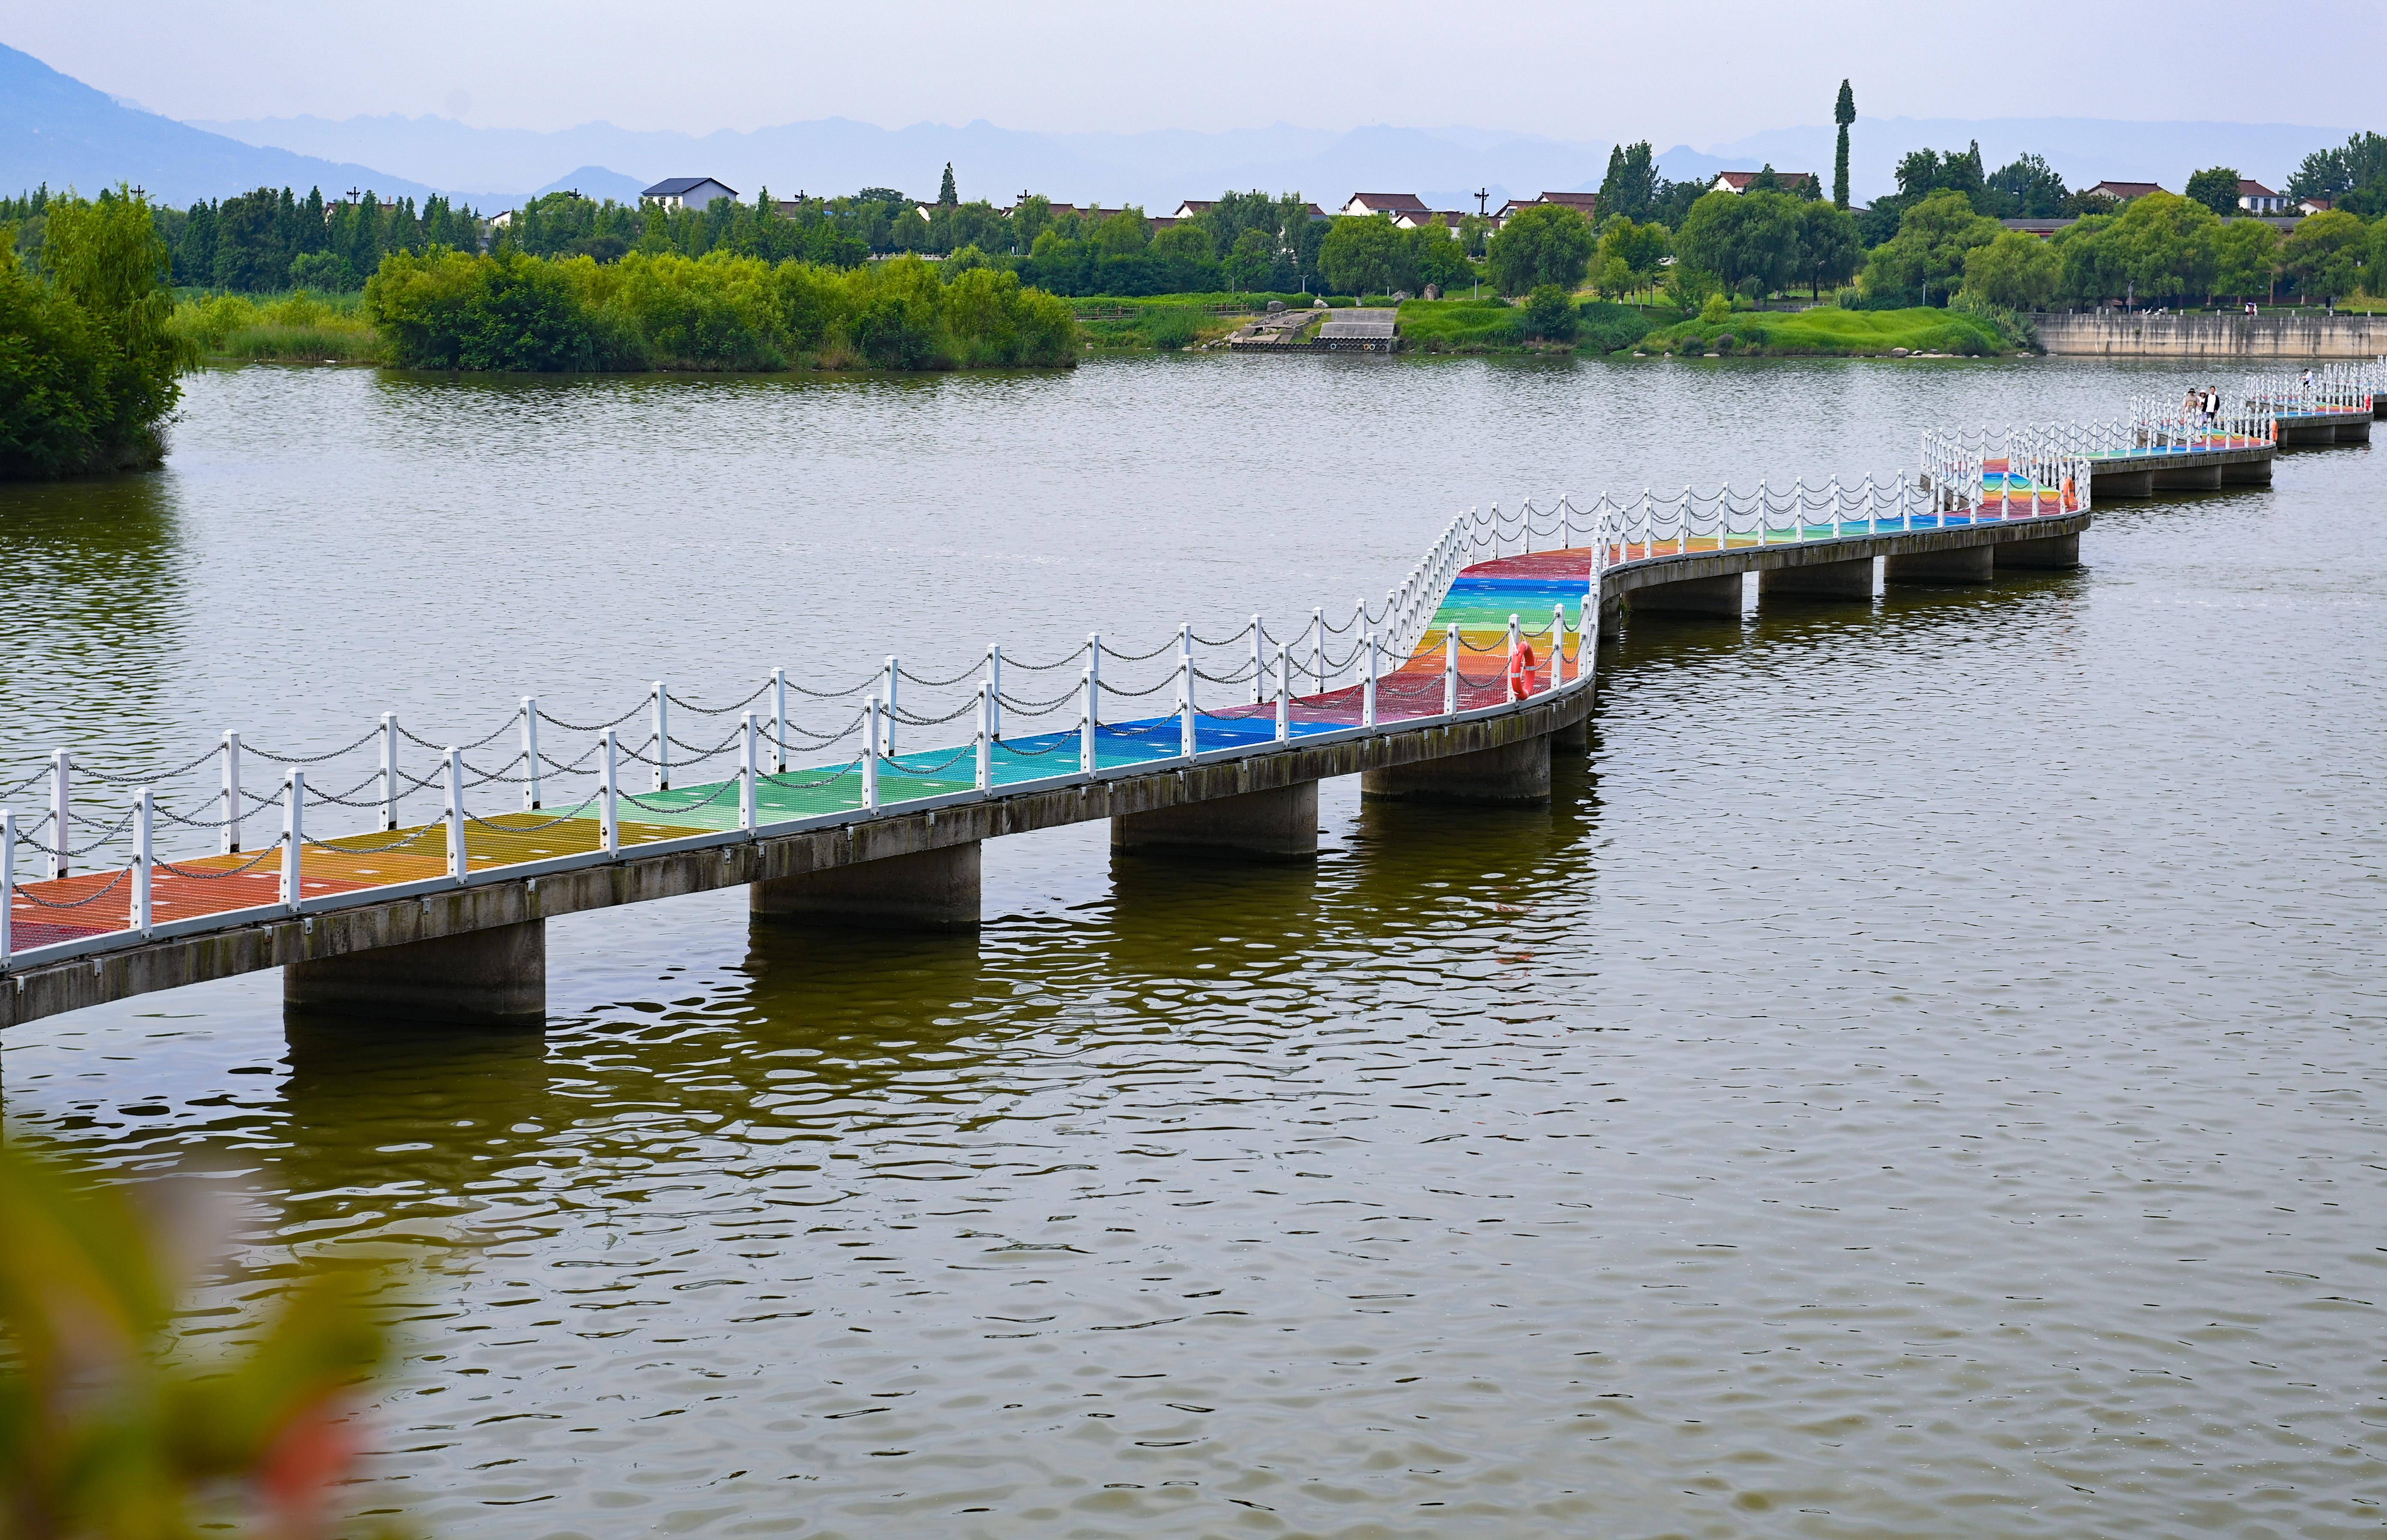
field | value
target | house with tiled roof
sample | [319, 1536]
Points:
[1737, 182]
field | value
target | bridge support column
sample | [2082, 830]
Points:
[928, 891]
[1279, 823]
[2056, 553]
[1572, 739]
[2248, 472]
[2190, 478]
[1611, 618]
[1819, 580]
[1690, 595]
[2357, 431]
[1963, 564]
[1516, 771]
[2122, 484]
[493, 978]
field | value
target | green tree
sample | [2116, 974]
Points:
[1926, 256]
[2016, 270]
[1844, 112]
[2353, 175]
[2168, 244]
[2246, 254]
[1830, 249]
[1745, 238]
[1630, 188]
[2216, 188]
[1123, 233]
[2025, 187]
[1543, 243]
[947, 193]
[105, 258]
[1636, 250]
[2095, 264]
[1248, 266]
[2324, 253]
[1362, 255]
[1433, 257]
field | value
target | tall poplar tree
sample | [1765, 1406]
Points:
[1844, 112]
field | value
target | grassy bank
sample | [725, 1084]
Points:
[1168, 322]
[292, 328]
[1828, 331]
[1498, 326]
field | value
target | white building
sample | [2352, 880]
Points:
[2255, 199]
[687, 192]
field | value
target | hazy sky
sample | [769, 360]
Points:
[1700, 73]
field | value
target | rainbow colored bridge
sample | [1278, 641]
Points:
[1457, 687]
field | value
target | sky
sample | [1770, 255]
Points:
[1699, 73]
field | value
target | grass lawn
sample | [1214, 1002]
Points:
[1829, 330]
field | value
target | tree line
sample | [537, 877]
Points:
[89, 366]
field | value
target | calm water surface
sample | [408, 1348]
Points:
[1921, 1074]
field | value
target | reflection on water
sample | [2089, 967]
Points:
[1919, 1075]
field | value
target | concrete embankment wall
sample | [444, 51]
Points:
[2278, 335]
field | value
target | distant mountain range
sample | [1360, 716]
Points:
[56, 129]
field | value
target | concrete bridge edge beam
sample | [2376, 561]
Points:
[1277, 824]
[491, 977]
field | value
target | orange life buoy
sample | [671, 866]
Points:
[1521, 671]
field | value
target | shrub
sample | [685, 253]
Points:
[1606, 327]
[1550, 315]
[1175, 328]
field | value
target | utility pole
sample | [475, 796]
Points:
[1483, 196]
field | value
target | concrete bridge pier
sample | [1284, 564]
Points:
[1819, 580]
[1963, 564]
[1279, 823]
[493, 978]
[1691, 595]
[2056, 553]
[1510, 773]
[933, 889]
[1611, 617]
[2122, 484]
[2188, 478]
[2247, 472]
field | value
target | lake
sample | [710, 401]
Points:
[1921, 1074]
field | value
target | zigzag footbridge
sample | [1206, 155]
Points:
[868, 800]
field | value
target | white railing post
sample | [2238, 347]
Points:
[61, 811]
[986, 738]
[995, 685]
[456, 867]
[870, 746]
[778, 721]
[1516, 642]
[388, 770]
[1283, 694]
[7, 886]
[1586, 636]
[143, 891]
[1449, 670]
[750, 766]
[662, 737]
[1260, 672]
[1087, 763]
[609, 816]
[530, 751]
[293, 836]
[1368, 680]
[894, 678]
[1558, 645]
[1318, 646]
[228, 837]
[1187, 744]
